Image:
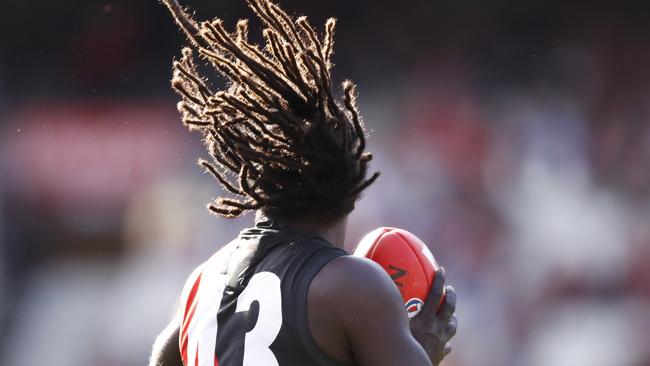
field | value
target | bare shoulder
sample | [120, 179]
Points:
[350, 285]
[345, 300]
[353, 278]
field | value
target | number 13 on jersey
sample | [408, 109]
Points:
[199, 327]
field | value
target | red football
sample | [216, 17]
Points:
[406, 259]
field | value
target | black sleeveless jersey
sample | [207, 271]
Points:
[247, 304]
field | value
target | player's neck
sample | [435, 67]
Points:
[333, 232]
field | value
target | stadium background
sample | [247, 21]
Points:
[514, 137]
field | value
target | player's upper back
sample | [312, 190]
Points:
[247, 304]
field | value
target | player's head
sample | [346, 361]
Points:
[280, 140]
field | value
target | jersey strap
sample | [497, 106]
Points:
[318, 260]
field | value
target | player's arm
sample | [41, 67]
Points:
[365, 320]
[165, 349]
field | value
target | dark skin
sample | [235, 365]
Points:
[356, 315]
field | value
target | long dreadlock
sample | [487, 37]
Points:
[279, 140]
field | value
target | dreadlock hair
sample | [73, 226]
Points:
[279, 140]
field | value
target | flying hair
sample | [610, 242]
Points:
[279, 139]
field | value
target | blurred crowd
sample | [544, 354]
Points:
[513, 139]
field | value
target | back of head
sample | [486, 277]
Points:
[279, 140]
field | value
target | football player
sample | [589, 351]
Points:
[284, 292]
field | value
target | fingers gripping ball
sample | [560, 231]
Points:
[406, 259]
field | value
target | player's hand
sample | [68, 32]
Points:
[433, 329]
